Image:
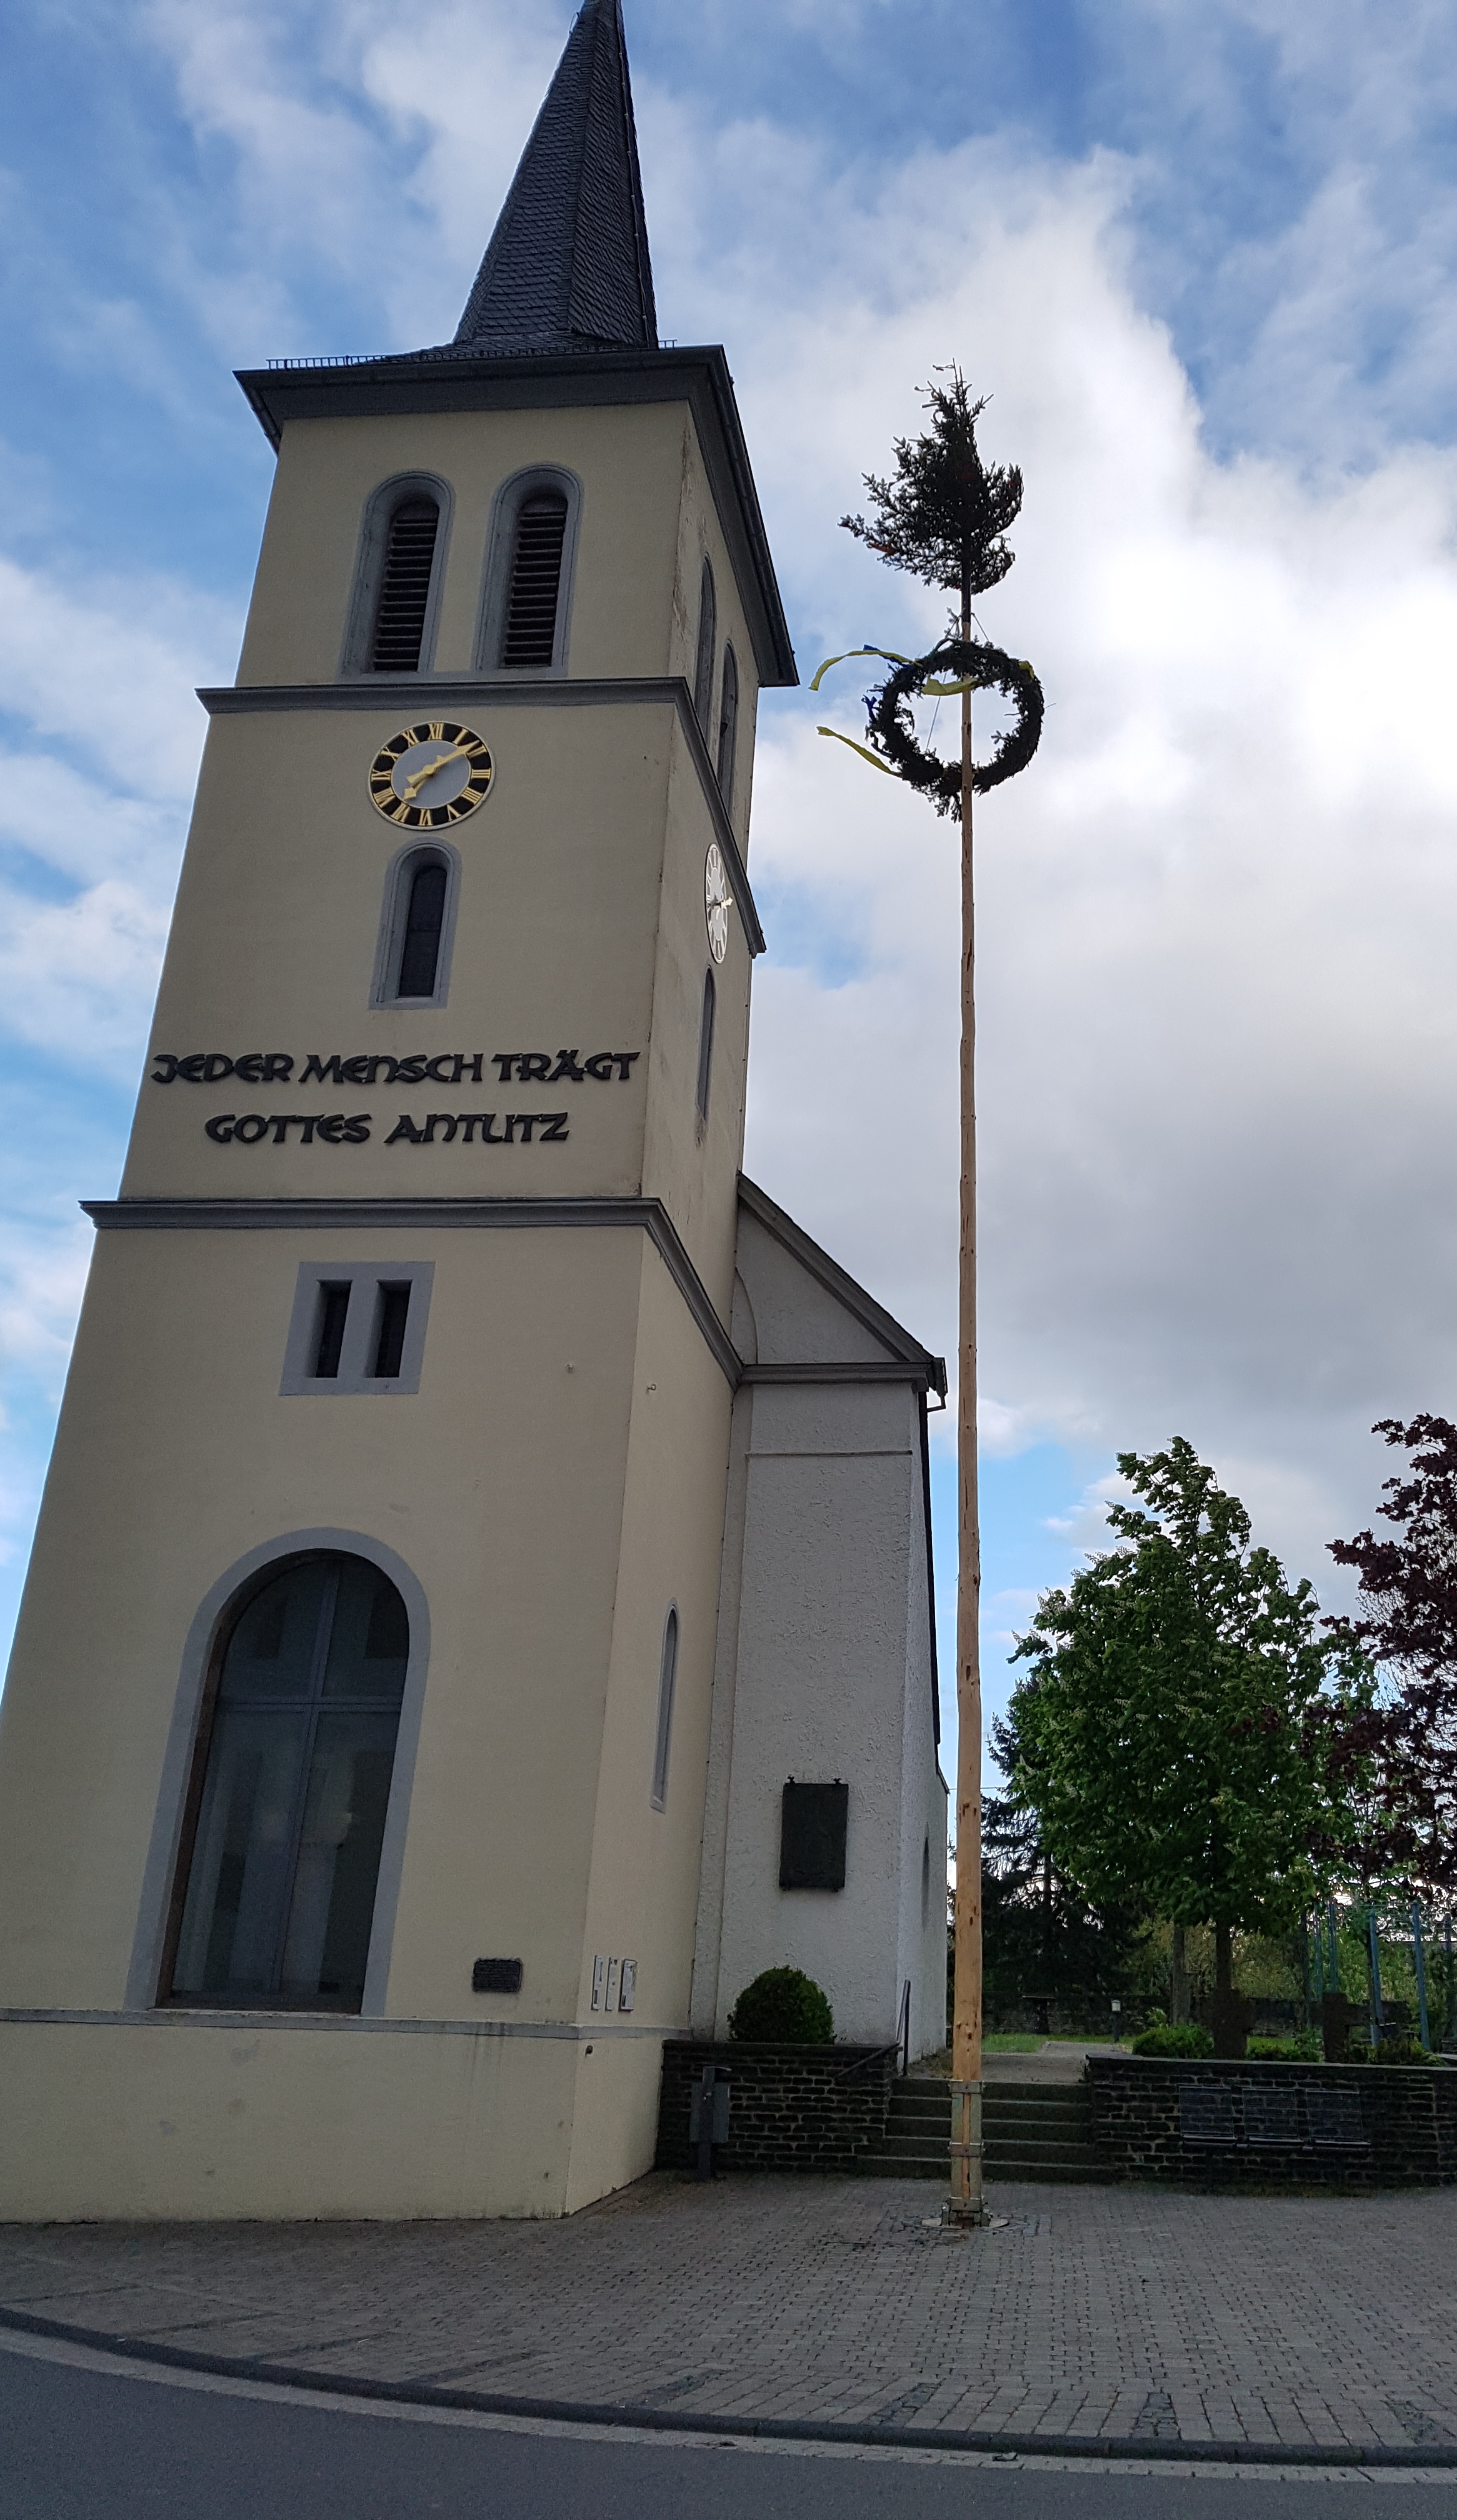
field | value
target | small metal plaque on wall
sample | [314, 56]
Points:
[496, 1977]
[813, 1825]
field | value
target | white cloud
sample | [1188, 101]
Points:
[42, 1274]
[98, 686]
[81, 975]
[105, 671]
[1086, 1530]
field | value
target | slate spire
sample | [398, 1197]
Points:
[567, 267]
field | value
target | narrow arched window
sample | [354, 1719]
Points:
[666, 1681]
[728, 728]
[276, 1889]
[708, 636]
[412, 962]
[424, 919]
[405, 576]
[535, 593]
[706, 1046]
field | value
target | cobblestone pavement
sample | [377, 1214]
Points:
[1135, 2315]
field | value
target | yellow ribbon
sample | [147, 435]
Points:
[929, 691]
[888, 653]
[836, 738]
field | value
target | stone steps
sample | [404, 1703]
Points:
[1036, 2131]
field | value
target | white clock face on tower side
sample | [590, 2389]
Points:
[718, 901]
[430, 776]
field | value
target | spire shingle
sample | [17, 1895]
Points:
[567, 266]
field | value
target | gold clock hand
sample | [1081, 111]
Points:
[418, 778]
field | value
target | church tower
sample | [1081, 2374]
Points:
[352, 1758]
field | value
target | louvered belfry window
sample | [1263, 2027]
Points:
[531, 637]
[404, 588]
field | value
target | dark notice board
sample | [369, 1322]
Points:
[813, 1835]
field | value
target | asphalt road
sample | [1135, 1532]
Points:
[80, 2441]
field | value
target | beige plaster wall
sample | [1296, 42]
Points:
[275, 928]
[695, 1170]
[269, 2120]
[645, 1862]
[500, 1485]
[630, 462]
[700, 536]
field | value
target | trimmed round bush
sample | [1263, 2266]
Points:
[783, 2007]
[1175, 2039]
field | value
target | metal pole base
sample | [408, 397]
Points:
[970, 2217]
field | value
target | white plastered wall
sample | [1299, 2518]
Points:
[823, 1669]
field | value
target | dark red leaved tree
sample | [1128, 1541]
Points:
[1408, 1624]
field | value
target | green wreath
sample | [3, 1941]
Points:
[978, 667]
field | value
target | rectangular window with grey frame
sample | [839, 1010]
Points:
[358, 1328]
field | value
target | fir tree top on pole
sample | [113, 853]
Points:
[944, 515]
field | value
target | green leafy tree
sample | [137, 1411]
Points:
[1042, 1938]
[1176, 1728]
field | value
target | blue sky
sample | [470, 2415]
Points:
[1203, 258]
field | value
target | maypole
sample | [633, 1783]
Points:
[942, 517]
[966, 2204]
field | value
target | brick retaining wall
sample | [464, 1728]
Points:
[1207, 2123]
[793, 2108]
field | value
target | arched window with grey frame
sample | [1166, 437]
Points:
[728, 728]
[668, 1678]
[531, 559]
[707, 639]
[274, 1898]
[398, 579]
[412, 962]
[705, 1046]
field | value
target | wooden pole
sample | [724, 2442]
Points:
[966, 2206]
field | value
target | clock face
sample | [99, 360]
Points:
[428, 777]
[718, 901]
